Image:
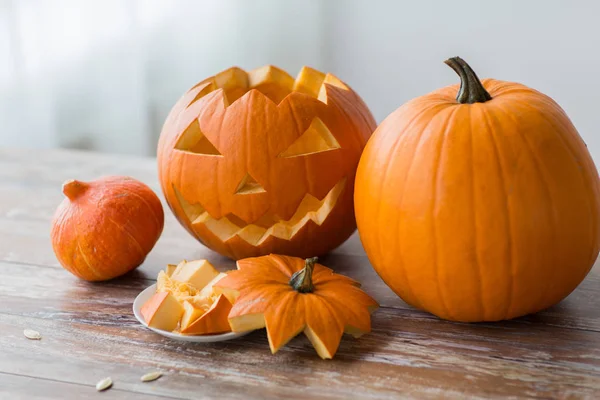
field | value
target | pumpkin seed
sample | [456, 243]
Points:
[151, 376]
[104, 384]
[31, 334]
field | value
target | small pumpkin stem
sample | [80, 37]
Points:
[471, 89]
[301, 281]
[73, 188]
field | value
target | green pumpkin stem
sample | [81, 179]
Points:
[301, 281]
[471, 89]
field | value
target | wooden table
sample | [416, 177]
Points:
[89, 331]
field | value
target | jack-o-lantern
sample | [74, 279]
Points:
[257, 162]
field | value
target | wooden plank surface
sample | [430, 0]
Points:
[89, 331]
[18, 387]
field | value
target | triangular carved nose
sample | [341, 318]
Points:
[194, 141]
[248, 185]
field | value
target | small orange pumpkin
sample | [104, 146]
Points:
[480, 208]
[257, 162]
[289, 295]
[105, 228]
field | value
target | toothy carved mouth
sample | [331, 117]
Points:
[227, 227]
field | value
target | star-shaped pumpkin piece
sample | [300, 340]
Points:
[289, 295]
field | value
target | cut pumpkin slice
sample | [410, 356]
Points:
[196, 273]
[170, 269]
[162, 311]
[181, 291]
[212, 321]
[207, 291]
[191, 313]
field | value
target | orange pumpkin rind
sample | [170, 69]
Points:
[479, 202]
[263, 297]
[241, 192]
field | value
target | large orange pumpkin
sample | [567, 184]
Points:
[257, 163]
[480, 208]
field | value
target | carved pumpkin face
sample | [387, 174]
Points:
[257, 163]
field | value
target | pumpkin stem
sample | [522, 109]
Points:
[73, 188]
[471, 89]
[301, 281]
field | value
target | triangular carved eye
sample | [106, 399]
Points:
[316, 139]
[194, 141]
[248, 185]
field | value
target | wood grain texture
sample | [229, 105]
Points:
[18, 387]
[89, 331]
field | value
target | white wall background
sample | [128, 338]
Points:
[103, 74]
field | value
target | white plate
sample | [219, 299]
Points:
[147, 293]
